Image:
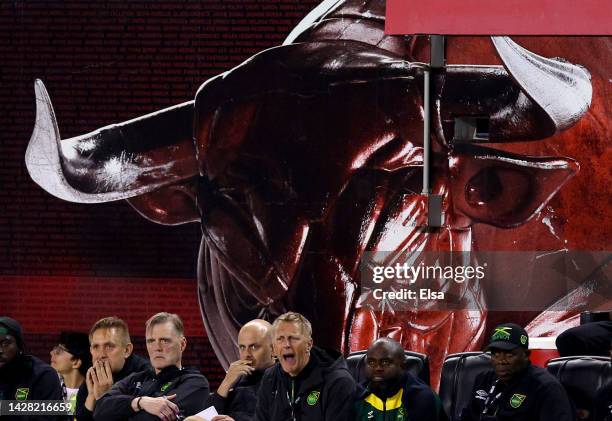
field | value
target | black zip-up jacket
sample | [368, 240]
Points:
[323, 391]
[419, 403]
[133, 364]
[241, 400]
[191, 389]
[536, 395]
[35, 381]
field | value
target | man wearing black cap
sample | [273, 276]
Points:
[24, 377]
[516, 390]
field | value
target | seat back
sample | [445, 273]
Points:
[458, 377]
[595, 316]
[417, 364]
[581, 377]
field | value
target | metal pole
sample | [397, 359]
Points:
[426, 130]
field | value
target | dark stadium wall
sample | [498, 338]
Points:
[64, 265]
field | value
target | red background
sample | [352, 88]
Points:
[64, 265]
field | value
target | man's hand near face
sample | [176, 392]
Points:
[236, 370]
[99, 379]
[161, 407]
[102, 378]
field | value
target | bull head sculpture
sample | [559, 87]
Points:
[307, 155]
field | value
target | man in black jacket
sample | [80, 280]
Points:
[308, 384]
[167, 392]
[516, 390]
[24, 377]
[113, 360]
[236, 396]
[390, 392]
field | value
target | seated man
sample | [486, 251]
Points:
[111, 352]
[516, 390]
[237, 394]
[169, 391]
[390, 392]
[71, 359]
[588, 339]
[307, 383]
[24, 377]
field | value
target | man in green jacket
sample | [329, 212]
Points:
[390, 392]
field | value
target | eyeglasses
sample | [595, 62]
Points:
[58, 349]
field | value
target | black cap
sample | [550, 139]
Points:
[76, 343]
[508, 336]
[12, 326]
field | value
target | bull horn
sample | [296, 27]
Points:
[114, 162]
[563, 90]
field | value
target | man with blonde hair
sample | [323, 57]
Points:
[112, 360]
[308, 383]
[168, 391]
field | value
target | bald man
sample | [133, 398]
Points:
[390, 392]
[237, 394]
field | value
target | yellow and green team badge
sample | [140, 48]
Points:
[165, 386]
[22, 394]
[516, 400]
[501, 334]
[313, 398]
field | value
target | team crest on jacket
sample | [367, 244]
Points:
[165, 386]
[516, 400]
[22, 394]
[313, 398]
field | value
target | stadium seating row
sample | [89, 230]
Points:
[581, 376]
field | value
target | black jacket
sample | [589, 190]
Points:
[603, 403]
[418, 403]
[536, 395]
[241, 400]
[324, 391]
[35, 381]
[133, 364]
[191, 389]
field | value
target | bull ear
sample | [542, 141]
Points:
[171, 205]
[115, 162]
[502, 189]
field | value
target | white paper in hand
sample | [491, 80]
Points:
[208, 413]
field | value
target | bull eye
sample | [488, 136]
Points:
[483, 188]
[499, 190]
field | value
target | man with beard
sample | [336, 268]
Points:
[24, 377]
[237, 394]
[516, 390]
[308, 383]
[390, 392]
